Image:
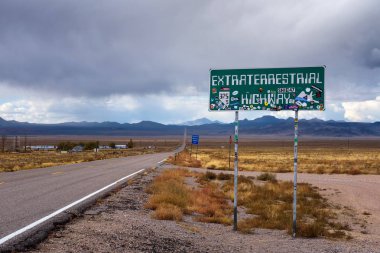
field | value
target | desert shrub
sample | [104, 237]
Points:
[267, 177]
[66, 146]
[224, 176]
[271, 203]
[211, 203]
[211, 167]
[168, 212]
[171, 198]
[130, 144]
[91, 145]
[210, 175]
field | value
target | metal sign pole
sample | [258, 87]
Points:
[295, 173]
[236, 168]
[196, 153]
[229, 154]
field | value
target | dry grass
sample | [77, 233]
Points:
[171, 198]
[185, 159]
[40, 159]
[271, 205]
[267, 177]
[210, 202]
[362, 157]
[168, 212]
[169, 188]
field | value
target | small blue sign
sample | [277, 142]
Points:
[195, 139]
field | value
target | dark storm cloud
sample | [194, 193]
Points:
[374, 58]
[98, 48]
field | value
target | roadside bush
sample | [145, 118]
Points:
[91, 145]
[267, 177]
[66, 146]
[130, 144]
[171, 198]
[210, 175]
[168, 212]
[223, 176]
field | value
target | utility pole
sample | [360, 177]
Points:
[16, 143]
[3, 141]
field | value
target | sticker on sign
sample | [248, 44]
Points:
[271, 89]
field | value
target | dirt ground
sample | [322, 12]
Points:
[358, 193]
[120, 223]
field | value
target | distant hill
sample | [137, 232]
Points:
[198, 122]
[267, 125]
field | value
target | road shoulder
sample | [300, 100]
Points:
[120, 223]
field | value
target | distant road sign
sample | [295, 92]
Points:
[271, 89]
[195, 139]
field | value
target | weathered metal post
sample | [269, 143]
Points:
[229, 153]
[196, 153]
[295, 173]
[236, 168]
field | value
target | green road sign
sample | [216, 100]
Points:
[272, 89]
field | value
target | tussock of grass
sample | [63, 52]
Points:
[211, 203]
[223, 176]
[168, 212]
[209, 175]
[170, 196]
[267, 177]
[169, 189]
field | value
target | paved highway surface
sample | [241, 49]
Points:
[28, 196]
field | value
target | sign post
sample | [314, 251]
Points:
[195, 141]
[295, 173]
[269, 89]
[229, 153]
[236, 140]
[196, 153]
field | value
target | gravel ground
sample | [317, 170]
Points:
[360, 194]
[120, 223]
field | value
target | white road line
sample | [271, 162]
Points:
[32, 225]
[162, 161]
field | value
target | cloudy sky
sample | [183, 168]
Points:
[127, 61]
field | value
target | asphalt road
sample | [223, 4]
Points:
[27, 196]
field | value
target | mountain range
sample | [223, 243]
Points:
[198, 122]
[266, 125]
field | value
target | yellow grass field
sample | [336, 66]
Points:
[41, 159]
[267, 204]
[315, 156]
